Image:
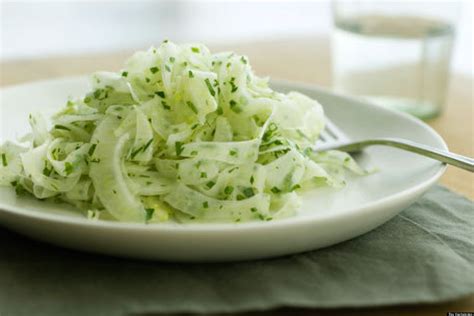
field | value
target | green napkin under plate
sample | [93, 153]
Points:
[425, 254]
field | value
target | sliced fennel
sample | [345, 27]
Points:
[181, 134]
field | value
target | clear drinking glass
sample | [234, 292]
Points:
[395, 54]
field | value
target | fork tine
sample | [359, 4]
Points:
[325, 136]
[337, 134]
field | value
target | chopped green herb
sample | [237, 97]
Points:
[234, 107]
[278, 142]
[168, 69]
[252, 180]
[195, 49]
[68, 168]
[124, 73]
[192, 106]
[62, 127]
[100, 94]
[253, 210]
[4, 160]
[209, 86]
[275, 190]
[165, 106]
[190, 74]
[154, 70]
[210, 184]
[296, 187]
[228, 189]
[172, 59]
[149, 213]
[92, 149]
[233, 152]
[203, 175]
[248, 192]
[179, 148]
[205, 204]
[161, 94]
[240, 197]
[147, 144]
[242, 59]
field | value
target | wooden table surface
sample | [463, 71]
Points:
[305, 60]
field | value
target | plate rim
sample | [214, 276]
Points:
[296, 221]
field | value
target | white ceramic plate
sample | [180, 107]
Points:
[327, 217]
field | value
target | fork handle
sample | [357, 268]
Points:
[434, 153]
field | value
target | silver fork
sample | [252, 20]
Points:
[333, 138]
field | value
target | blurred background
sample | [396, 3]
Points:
[37, 29]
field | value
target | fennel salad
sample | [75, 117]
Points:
[179, 134]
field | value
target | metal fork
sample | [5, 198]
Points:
[333, 138]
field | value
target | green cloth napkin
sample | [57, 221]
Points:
[425, 254]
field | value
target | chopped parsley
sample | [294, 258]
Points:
[205, 204]
[192, 106]
[141, 149]
[275, 190]
[295, 187]
[228, 189]
[92, 149]
[165, 106]
[62, 127]
[210, 184]
[4, 160]
[248, 192]
[190, 74]
[234, 107]
[179, 148]
[209, 87]
[232, 84]
[68, 168]
[161, 94]
[149, 213]
[154, 70]
[195, 49]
